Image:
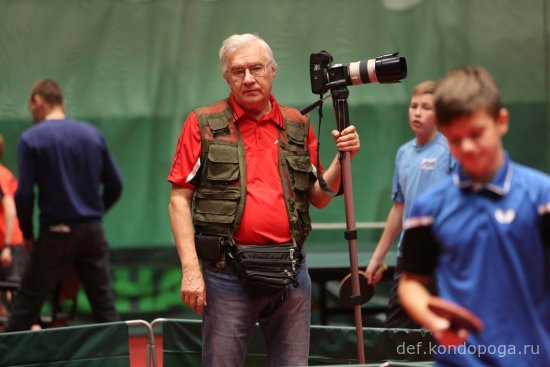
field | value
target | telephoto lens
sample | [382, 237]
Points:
[389, 68]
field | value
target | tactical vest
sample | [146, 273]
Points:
[218, 201]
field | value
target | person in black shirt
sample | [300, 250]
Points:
[68, 161]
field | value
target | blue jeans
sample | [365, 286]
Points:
[231, 314]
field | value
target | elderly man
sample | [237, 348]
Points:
[244, 174]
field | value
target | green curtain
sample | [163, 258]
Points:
[136, 68]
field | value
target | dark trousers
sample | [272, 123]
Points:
[396, 316]
[14, 271]
[84, 247]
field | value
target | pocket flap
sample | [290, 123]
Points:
[299, 162]
[223, 153]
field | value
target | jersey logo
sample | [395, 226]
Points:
[505, 216]
[428, 164]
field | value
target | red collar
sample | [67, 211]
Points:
[275, 115]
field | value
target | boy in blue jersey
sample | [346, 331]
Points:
[419, 164]
[485, 232]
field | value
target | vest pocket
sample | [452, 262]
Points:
[222, 162]
[216, 206]
[300, 168]
[295, 132]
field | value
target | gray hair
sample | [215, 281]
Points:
[236, 41]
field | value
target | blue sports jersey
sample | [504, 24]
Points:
[417, 167]
[487, 244]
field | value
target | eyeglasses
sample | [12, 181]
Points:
[240, 73]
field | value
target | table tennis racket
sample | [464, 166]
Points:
[460, 317]
[366, 290]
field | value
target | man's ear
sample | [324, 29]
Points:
[502, 121]
[37, 100]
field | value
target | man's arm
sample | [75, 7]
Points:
[9, 216]
[414, 296]
[347, 141]
[420, 251]
[112, 180]
[24, 196]
[193, 292]
[394, 224]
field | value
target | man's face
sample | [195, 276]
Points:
[251, 92]
[476, 142]
[421, 114]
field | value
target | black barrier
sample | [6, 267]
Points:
[95, 345]
[330, 345]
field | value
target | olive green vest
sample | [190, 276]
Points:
[219, 199]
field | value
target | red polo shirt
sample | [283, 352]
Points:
[264, 220]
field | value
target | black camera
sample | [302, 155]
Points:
[390, 68]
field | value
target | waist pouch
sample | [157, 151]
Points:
[267, 269]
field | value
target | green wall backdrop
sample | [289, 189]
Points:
[135, 69]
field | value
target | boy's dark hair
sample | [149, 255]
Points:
[49, 90]
[425, 87]
[464, 91]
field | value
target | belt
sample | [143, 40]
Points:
[68, 228]
[60, 228]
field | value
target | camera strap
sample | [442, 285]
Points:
[322, 182]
